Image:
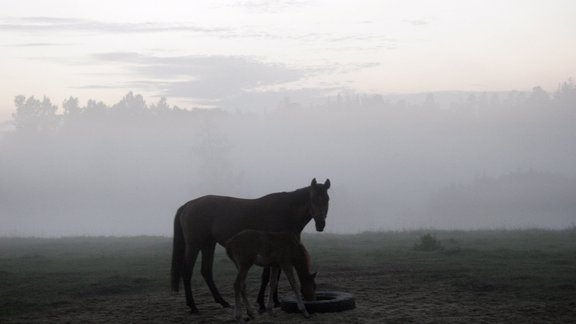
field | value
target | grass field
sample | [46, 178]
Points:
[467, 276]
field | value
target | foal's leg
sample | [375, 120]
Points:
[249, 309]
[240, 293]
[263, 284]
[275, 295]
[288, 269]
[275, 273]
[237, 288]
[189, 261]
[207, 262]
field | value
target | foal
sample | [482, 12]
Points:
[280, 251]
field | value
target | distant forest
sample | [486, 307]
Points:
[487, 160]
[33, 115]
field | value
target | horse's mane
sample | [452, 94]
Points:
[292, 197]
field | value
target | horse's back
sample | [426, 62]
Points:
[211, 205]
[220, 217]
[216, 217]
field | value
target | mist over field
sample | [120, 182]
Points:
[449, 160]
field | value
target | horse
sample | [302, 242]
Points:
[278, 250]
[201, 223]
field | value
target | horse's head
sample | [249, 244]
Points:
[319, 203]
[308, 286]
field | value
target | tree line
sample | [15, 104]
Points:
[92, 168]
[35, 115]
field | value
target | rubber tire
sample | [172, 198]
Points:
[328, 302]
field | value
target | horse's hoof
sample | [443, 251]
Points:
[225, 304]
[261, 310]
[193, 309]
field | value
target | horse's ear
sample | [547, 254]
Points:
[314, 275]
[327, 184]
[314, 183]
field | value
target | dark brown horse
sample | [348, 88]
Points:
[201, 223]
[278, 251]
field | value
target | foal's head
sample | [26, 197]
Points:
[308, 286]
[319, 203]
[303, 264]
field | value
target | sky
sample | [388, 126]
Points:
[226, 53]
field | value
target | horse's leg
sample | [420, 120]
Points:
[288, 269]
[275, 273]
[263, 284]
[190, 260]
[207, 262]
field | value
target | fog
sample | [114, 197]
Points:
[450, 160]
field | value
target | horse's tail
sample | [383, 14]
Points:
[178, 250]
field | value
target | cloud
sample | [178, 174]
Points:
[227, 82]
[49, 24]
[36, 45]
[361, 38]
[205, 77]
[269, 5]
[98, 86]
[418, 22]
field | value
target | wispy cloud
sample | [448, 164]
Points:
[49, 24]
[208, 77]
[269, 5]
[228, 82]
[361, 38]
[36, 45]
[99, 86]
[418, 22]
[70, 25]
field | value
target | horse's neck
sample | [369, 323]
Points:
[299, 225]
[300, 205]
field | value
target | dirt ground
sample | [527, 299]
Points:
[383, 295]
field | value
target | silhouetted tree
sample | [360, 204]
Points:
[95, 109]
[161, 107]
[565, 97]
[430, 102]
[71, 107]
[539, 98]
[33, 115]
[131, 105]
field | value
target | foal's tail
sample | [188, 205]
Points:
[178, 249]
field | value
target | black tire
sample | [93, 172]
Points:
[327, 302]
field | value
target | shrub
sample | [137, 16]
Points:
[428, 243]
